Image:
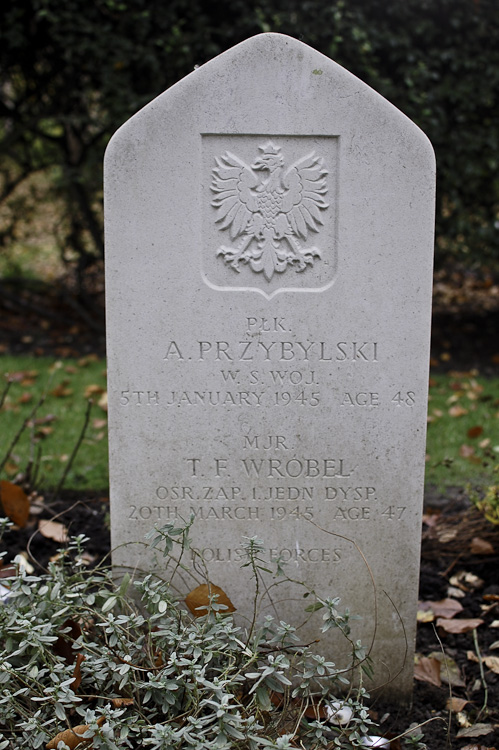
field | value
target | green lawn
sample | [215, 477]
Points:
[463, 427]
[55, 426]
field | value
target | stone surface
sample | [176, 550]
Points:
[269, 235]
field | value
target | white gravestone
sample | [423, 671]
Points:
[269, 236]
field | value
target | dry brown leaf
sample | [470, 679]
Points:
[443, 608]
[449, 672]
[93, 390]
[61, 390]
[466, 451]
[459, 626]
[477, 747]
[63, 646]
[481, 547]
[477, 730]
[428, 670]
[198, 600]
[25, 398]
[466, 581]
[44, 432]
[84, 361]
[77, 672]
[492, 662]
[425, 615]
[15, 502]
[72, 737]
[43, 420]
[457, 411]
[475, 432]
[121, 702]
[99, 424]
[456, 704]
[102, 402]
[7, 571]
[53, 530]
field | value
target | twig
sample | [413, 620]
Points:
[75, 449]
[482, 675]
[352, 541]
[21, 430]
[4, 392]
[449, 722]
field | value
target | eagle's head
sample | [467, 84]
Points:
[270, 159]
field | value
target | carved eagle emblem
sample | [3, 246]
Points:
[270, 209]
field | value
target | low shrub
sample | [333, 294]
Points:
[90, 661]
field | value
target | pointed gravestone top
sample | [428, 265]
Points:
[269, 234]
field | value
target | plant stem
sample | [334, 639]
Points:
[75, 449]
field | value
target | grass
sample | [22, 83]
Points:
[462, 445]
[463, 429]
[56, 425]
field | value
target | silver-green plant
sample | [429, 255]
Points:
[79, 649]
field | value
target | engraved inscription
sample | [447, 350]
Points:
[270, 209]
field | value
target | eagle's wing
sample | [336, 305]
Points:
[304, 199]
[232, 184]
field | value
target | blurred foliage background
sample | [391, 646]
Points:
[72, 72]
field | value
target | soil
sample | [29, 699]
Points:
[465, 324]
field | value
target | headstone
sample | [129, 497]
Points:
[269, 235]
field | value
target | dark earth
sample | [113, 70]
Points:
[47, 321]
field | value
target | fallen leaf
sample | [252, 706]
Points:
[93, 390]
[120, 702]
[449, 672]
[63, 646]
[99, 424]
[7, 571]
[425, 615]
[477, 730]
[481, 547]
[456, 704]
[477, 747]
[466, 581]
[43, 420]
[72, 737]
[466, 451]
[484, 443]
[198, 600]
[77, 672]
[455, 593]
[84, 361]
[443, 608]
[459, 626]
[44, 431]
[25, 398]
[462, 719]
[15, 502]
[491, 662]
[102, 402]
[457, 411]
[61, 391]
[53, 530]
[475, 432]
[428, 670]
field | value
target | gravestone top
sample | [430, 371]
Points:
[269, 237]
